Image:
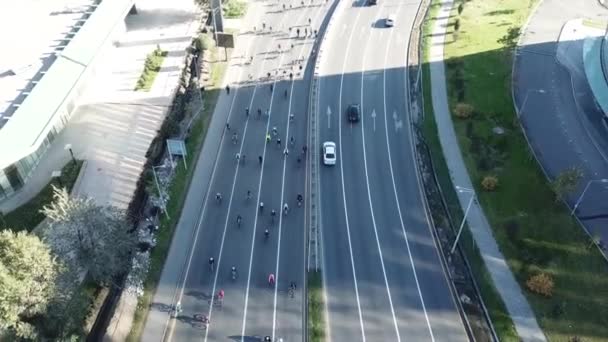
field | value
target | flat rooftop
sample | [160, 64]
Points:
[32, 33]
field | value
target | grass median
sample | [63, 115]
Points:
[501, 320]
[316, 308]
[534, 231]
[177, 192]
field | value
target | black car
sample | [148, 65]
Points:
[372, 2]
[353, 113]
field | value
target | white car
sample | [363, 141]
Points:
[329, 153]
[389, 21]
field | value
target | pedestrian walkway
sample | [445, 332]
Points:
[504, 281]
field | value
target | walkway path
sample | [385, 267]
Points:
[505, 283]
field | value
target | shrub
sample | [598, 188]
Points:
[463, 110]
[541, 283]
[202, 43]
[457, 25]
[489, 183]
[460, 8]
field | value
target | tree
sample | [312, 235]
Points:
[567, 181]
[463, 110]
[90, 237]
[489, 183]
[27, 277]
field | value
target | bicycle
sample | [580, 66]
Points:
[211, 264]
[292, 289]
[238, 221]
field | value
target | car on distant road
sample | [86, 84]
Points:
[353, 112]
[372, 2]
[389, 21]
[329, 153]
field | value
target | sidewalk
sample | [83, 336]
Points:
[506, 285]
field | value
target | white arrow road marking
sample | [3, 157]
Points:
[374, 118]
[328, 117]
[398, 122]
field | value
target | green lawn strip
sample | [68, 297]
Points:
[177, 193]
[152, 66]
[234, 9]
[534, 232]
[316, 308]
[503, 325]
[28, 215]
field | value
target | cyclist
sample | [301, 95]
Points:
[286, 152]
[274, 131]
[291, 75]
[259, 112]
[211, 263]
[299, 199]
[271, 279]
[261, 206]
[235, 138]
[260, 159]
[220, 294]
[247, 111]
[233, 272]
[248, 194]
[304, 148]
[285, 93]
[267, 139]
[279, 142]
[238, 220]
[292, 140]
[285, 208]
[267, 339]
[238, 157]
[292, 286]
[273, 213]
[218, 197]
[291, 117]
[266, 234]
[271, 87]
[227, 89]
[243, 158]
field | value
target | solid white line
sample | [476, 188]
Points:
[390, 161]
[369, 195]
[278, 257]
[350, 246]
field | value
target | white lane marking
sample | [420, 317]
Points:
[328, 117]
[278, 257]
[219, 261]
[177, 298]
[373, 110]
[350, 246]
[396, 119]
[369, 194]
[244, 324]
[390, 161]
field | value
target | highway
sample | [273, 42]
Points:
[251, 308]
[382, 274]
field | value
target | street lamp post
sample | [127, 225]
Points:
[523, 105]
[580, 198]
[466, 213]
[68, 147]
[160, 193]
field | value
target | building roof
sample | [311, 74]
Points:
[25, 129]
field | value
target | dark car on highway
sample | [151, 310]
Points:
[372, 2]
[353, 113]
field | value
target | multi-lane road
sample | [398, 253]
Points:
[382, 274]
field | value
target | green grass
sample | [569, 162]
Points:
[235, 9]
[503, 325]
[177, 192]
[534, 232]
[154, 61]
[316, 308]
[28, 216]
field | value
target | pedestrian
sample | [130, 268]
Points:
[298, 32]
[309, 21]
[263, 25]
[227, 89]
[250, 61]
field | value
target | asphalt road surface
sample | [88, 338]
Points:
[251, 308]
[563, 124]
[382, 274]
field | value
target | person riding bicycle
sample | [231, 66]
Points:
[218, 197]
[285, 93]
[211, 262]
[233, 272]
[292, 141]
[220, 294]
[247, 111]
[285, 208]
[238, 219]
[261, 206]
[292, 286]
[299, 199]
[273, 213]
[271, 279]
[248, 194]
[266, 233]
